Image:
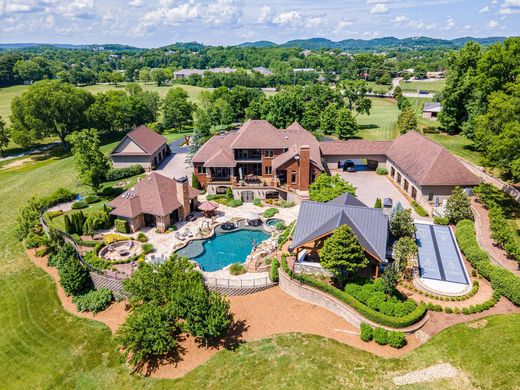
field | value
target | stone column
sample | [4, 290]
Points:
[183, 195]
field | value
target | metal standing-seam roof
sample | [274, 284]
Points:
[318, 219]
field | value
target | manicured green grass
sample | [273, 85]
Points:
[381, 123]
[457, 144]
[430, 86]
[378, 87]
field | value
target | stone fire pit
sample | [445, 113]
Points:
[121, 250]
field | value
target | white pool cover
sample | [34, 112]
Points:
[439, 257]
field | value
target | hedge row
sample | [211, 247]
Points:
[123, 173]
[502, 280]
[372, 315]
[382, 336]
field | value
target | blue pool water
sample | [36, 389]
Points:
[222, 250]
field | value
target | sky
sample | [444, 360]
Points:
[154, 23]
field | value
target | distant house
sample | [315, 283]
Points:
[262, 70]
[317, 221]
[431, 110]
[435, 75]
[185, 73]
[306, 53]
[140, 146]
[155, 201]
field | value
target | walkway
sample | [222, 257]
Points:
[483, 230]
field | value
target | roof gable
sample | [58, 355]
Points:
[148, 140]
[258, 134]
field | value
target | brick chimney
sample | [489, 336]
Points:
[183, 195]
[304, 175]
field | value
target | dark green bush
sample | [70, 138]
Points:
[273, 271]
[79, 204]
[382, 171]
[74, 277]
[141, 237]
[396, 339]
[419, 209]
[237, 269]
[366, 332]
[448, 310]
[502, 280]
[371, 314]
[122, 226]
[270, 212]
[94, 301]
[441, 221]
[235, 203]
[378, 204]
[257, 202]
[380, 336]
[91, 199]
[123, 173]
[147, 248]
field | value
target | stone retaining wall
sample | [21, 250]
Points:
[313, 296]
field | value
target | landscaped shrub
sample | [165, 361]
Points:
[97, 220]
[141, 237]
[284, 237]
[366, 332]
[270, 212]
[79, 204]
[273, 271]
[74, 277]
[364, 310]
[229, 194]
[94, 301]
[91, 199]
[110, 238]
[378, 204]
[502, 280]
[373, 295]
[280, 226]
[147, 248]
[396, 339]
[237, 269]
[54, 214]
[235, 203]
[419, 209]
[195, 182]
[380, 336]
[285, 204]
[123, 173]
[122, 226]
[257, 202]
[441, 221]
[74, 222]
[382, 171]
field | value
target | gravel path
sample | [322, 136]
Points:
[430, 374]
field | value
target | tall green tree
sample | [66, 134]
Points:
[326, 188]
[405, 253]
[311, 116]
[328, 119]
[355, 94]
[89, 160]
[458, 206]
[5, 135]
[342, 253]
[50, 108]
[401, 223]
[407, 120]
[159, 76]
[346, 125]
[177, 109]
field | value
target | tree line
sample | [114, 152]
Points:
[482, 100]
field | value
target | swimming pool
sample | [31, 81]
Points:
[223, 249]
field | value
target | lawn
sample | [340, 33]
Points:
[381, 123]
[430, 86]
[457, 144]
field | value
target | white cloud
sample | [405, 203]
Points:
[343, 26]
[421, 25]
[290, 18]
[376, 1]
[266, 13]
[467, 26]
[172, 16]
[400, 19]
[379, 8]
[136, 3]
[512, 3]
[223, 12]
[314, 21]
[492, 24]
[371, 34]
[450, 24]
[22, 6]
[484, 10]
[77, 9]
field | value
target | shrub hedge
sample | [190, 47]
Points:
[270, 212]
[382, 171]
[79, 204]
[123, 173]
[366, 333]
[94, 301]
[235, 203]
[419, 209]
[122, 226]
[371, 314]
[502, 280]
[237, 269]
[273, 272]
[91, 199]
[147, 248]
[441, 221]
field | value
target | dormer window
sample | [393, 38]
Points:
[268, 153]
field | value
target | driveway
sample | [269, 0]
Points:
[174, 165]
[371, 186]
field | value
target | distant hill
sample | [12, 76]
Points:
[108, 46]
[377, 44]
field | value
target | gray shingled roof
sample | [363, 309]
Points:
[432, 107]
[317, 219]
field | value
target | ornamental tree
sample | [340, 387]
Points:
[406, 121]
[327, 187]
[74, 278]
[401, 224]
[346, 125]
[177, 109]
[458, 206]
[342, 253]
[405, 252]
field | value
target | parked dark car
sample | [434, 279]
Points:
[423, 92]
[349, 166]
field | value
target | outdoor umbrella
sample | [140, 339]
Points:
[208, 206]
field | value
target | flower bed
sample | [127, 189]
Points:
[391, 321]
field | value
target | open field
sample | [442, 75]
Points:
[457, 144]
[378, 87]
[430, 86]
[42, 346]
[381, 123]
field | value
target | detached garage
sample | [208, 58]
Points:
[374, 152]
